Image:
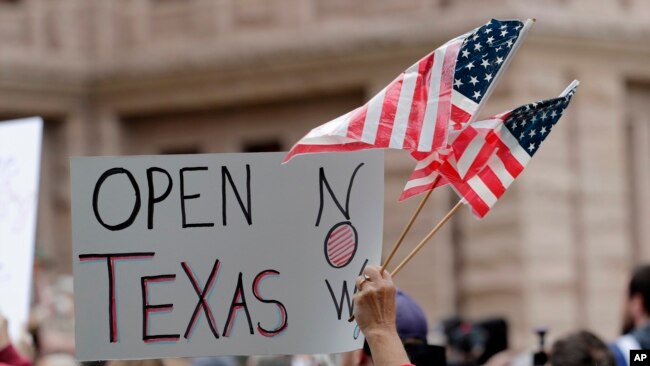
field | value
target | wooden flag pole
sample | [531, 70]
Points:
[524, 32]
[423, 242]
[427, 238]
[407, 228]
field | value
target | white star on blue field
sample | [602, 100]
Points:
[531, 123]
[481, 56]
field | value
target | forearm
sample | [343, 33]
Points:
[386, 348]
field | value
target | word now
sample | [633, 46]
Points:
[238, 301]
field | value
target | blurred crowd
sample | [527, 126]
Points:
[49, 340]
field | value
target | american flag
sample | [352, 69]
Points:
[495, 151]
[483, 57]
[414, 112]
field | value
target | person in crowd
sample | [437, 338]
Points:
[375, 310]
[636, 322]
[412, 328]
[581, 349]
[8, 354]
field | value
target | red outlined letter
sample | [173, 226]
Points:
[110, 262]
[202, 300]
[147, 309]
[283, 311]
[238, 302]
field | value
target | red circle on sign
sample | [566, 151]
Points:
[341, 244]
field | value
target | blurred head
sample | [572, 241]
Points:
[581, 349]
[412, 324]
[637, 305]
[412, 328]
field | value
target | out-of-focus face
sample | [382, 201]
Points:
[634, 313]
[628, 319]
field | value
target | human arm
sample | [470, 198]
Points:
[375, 312]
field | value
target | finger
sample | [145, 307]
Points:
[387, 276]
[372, 272]
[359, 282]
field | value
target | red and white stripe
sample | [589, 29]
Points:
[341, 246]
[463, 113]
[482, 190]
[467, 154]
[411, 113]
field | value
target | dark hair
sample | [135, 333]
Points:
[640, 285]
[581, 349]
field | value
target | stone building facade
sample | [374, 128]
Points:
[116, 77]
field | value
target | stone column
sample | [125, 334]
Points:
[110, 131]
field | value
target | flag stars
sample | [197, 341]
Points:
[475, 37]
[470, 65]
[522, 135]
[531, 147]
[485, 63]
[532, 133]
[473, 80]
[488, 77]
[503, 33]
[543, 117]
[490, 40]
[488, 30]
[477, 95]
[509, 43]
[543, 131]
[553, 114]
[457, 83]
[466, 53]
[499, 60]
[497, 49]
[477, 47]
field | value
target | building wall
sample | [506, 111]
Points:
[161, 76]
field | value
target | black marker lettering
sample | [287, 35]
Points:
[190, 197]
[136, 205]
[246, 210]
[322, 180]
[345, 295]
[238, 302]
[202, 300]
[110, 262]
[283, 310]
[147, 309]
[152, 199]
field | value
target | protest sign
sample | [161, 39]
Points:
[221, 254]
[20, 156]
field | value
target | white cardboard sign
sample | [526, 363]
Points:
[221, 254]
[20, 156]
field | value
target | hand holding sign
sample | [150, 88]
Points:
[375, 311]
